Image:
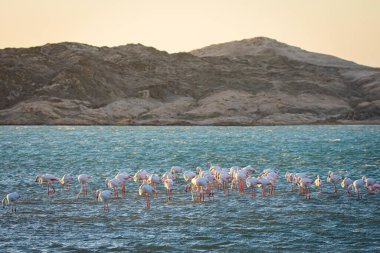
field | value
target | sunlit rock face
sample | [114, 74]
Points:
[250, 82]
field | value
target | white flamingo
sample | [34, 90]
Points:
[167, 175]
[11, 200]
[105, 197]
[168, 183]
[290, 177]
[123, 176]
[176, 170]
[115, 184]
[66, 181]
[305, 184]
[253, 182]
[369, 183]
[358, 187]
[147, 189]
[331, 178]
[199, 184]
[140, 176]
[188, 176]
[346, 183]
[224, 177]
[154, 180]
[83, 179]
[318, 183]
[240, 176]
[47, 179]
[264, 182]
[272, 176]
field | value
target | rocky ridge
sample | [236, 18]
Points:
[250, 82]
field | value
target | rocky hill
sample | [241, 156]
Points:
[249, 82]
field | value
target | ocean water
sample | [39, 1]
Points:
[284, 222]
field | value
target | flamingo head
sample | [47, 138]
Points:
[37, 178]
[97, 194]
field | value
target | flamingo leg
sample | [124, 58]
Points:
[263, 190]
[147, 200]
[123, 189]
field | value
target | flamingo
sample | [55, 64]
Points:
[153, 180]
[358, 186]
[115, 184]
[318, 183]
[252, 182]
[198, 169]
[83, 179]
[376, 186]
[249, 169]
[199, 184]
[290, 177]
[305, 182]
[140, 176]
[188, 176]
[369, 183]
[264, 182]
[123, 177]
[147, 189]
[167, 175]
[240, 177]
[11, 200]
[104, 196]
[272, 176]
[66, 181]
[223, 178]
[346, 183]
[175, 170]
[334, 179]
[168, 183]
[47, 179]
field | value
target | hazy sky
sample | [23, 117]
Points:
[349, 29]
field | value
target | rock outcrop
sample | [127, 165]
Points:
[249, 82]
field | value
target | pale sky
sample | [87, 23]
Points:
[349, 29]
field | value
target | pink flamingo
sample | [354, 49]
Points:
[48, 180]
[104, 196]
[147, 189]
[11, 200]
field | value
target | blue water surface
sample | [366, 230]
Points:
[284, 222]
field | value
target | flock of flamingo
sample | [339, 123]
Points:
[201, 183]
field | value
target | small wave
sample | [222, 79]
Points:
[333, 140]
